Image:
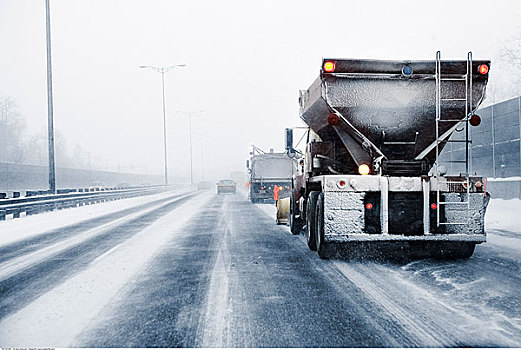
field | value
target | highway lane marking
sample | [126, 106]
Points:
[214, 323]
[108, 252]
[17, 265]
[59, 316]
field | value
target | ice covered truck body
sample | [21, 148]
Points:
[268, 170]
[371, 170]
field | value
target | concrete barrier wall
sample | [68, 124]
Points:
[35, 177]
[505, 189]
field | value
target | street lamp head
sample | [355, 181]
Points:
[190, 112]
[163, 69]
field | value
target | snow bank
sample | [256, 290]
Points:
[504, 214]
[502, 179]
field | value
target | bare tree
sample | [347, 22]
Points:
[505, 73]
[12, 126]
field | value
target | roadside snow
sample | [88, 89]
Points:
[504, 214]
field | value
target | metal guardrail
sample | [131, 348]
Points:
[48, 202]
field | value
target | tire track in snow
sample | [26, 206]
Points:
[21, 263]
[163, 305]
[57, 317]
[42, 271]
[431, 318]
[32, 243]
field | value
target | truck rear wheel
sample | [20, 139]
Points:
[295, 224]
[310, 220]
[319, 227]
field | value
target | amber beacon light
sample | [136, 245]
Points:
[363, 169]
[329, 66]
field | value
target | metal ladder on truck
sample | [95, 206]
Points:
[465, 182]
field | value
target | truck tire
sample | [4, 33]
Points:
[465, 251]
[319, 228]
[295, 224]
[310, 220]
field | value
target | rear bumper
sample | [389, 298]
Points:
[471, 238]
[226, 189]
[267, 195]
[386, 208]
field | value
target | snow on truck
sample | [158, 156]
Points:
[269, 170]
[371, 173]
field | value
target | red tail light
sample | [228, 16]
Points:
[475, 120]
[434, 206]
[483, 69]
[332, 119]
[368, 206]
[329, 66]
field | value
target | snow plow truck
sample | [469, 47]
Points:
[269, 171]
[371, 174]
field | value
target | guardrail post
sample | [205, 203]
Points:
[2, 215]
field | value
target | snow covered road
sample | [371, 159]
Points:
[201, 270]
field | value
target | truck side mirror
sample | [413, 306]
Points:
[289, 139]
[247, 163]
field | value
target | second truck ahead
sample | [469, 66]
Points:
[267, 171]
[371, 172]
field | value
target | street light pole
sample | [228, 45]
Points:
[163, 70]
[191, 165]
[50, 118]
[190, 131]
[164, 125]
[202, 157]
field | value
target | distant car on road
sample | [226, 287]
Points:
[226, 186]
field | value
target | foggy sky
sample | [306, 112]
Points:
[245, 62]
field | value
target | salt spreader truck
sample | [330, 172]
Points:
[371, 174]
[267, 170]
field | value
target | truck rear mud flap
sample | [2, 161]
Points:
[405, 213]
